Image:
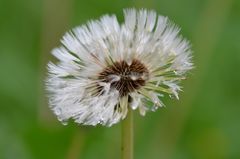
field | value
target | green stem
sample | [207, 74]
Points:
[127, 136]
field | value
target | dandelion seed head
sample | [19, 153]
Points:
[106, 68]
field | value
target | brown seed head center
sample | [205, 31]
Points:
[124, 77]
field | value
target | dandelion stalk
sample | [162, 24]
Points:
[127, 136]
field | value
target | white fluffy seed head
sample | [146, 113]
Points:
[106, 68]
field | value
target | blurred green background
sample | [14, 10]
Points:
[203, 124]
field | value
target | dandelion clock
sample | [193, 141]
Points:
[106, 70]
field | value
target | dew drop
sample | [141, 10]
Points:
[59, 119]
[101, 121]
[114, 78]
[58, 111]
[64, 122]
[154, 108]
[129, 61]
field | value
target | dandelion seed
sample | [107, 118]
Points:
[106, 68]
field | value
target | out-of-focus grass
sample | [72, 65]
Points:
[202, 124]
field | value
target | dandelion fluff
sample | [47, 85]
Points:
[106, 68]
